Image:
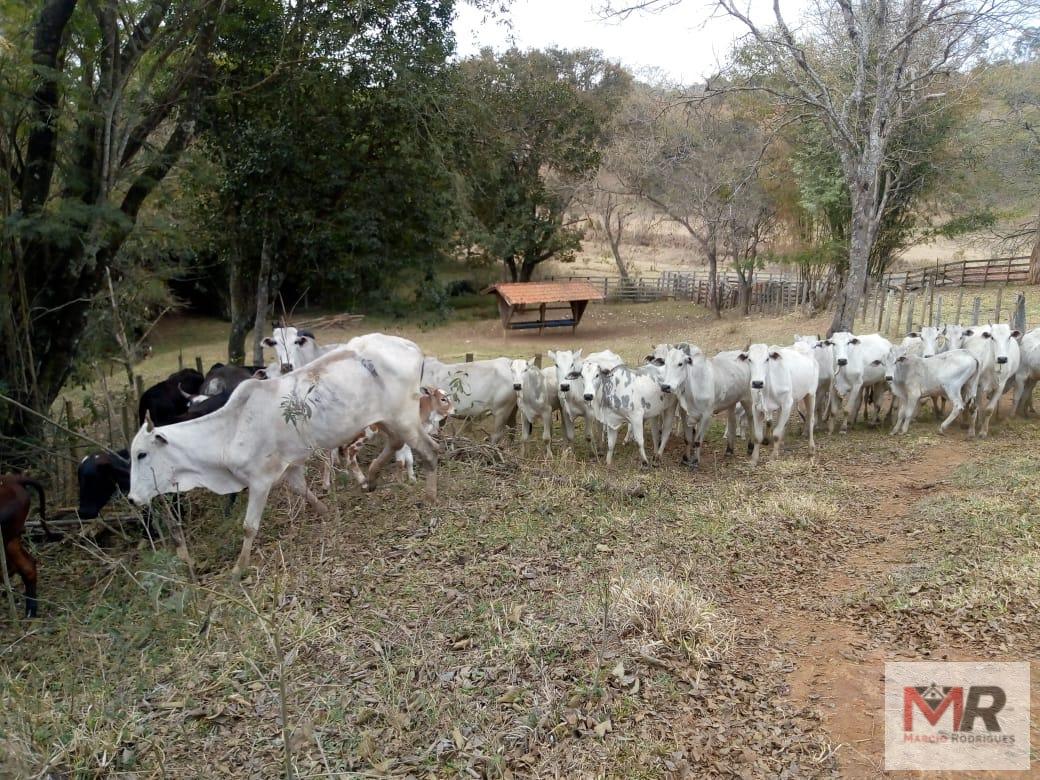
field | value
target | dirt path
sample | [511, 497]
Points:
[838, 667]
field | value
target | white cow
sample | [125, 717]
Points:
[703, 388]
[953, 375]
[925, 342]
[996, 348]
[1028, 372]
[477, 389]
[823, 353]
[269, 428]
[859, 365]
[622, 395]
[571, 387]
[537, 397]
[781, 378]
[294, 348]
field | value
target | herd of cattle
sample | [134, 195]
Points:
[255, 427]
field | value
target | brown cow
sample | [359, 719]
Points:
[14, 511]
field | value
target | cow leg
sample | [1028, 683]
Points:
[912, 400]
[667, 423]
[20, 562]
[568, 425]
[427, 448]
[254, 512]
[836, 410]
[991, 407]
[393, 444]
[810, 419]
[296, 480]
[956, 406]
[781, 425]
[330, 468]
[852, 405]
[407, 461]
[547, 432]
[635, 430]
[611, 441]
[353, 467]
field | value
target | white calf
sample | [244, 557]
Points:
[858, 367]
[911, 377]
[537, 397]
[621, 395]
[781, 377]
[996, 348]
[571, 387]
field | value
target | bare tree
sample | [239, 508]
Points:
[610, 211]
[693, 162]
[864, 68]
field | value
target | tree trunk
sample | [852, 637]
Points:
[527, 271]
[262, 299]
[860, 243]
[242, 312]
[1034, 257]
[713, 276]
[614, 238]
[511, 267]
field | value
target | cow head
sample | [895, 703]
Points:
[896, 363]
[568, 367]
[658, 354]
[518, 368]
[590, 378]
[294, 348]
[758, 358]
[675, 367]
[843, 345]
[1000, 337]
[435, 405]
[153, 465]
[954, 336]
[924, 342]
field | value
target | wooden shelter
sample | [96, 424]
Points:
[518, 298]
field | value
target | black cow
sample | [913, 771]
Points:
[208, 405]
[165, 401]
[221, 378]
[100, 475]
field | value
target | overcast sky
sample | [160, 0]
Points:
[683, 41]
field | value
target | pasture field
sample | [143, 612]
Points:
[548, 617]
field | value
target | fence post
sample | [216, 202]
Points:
[538, 360]
[975, 310]
[882, 300]
[180, 360]
[139, 384]
[931, 302]
[887, 328]
[469, 357]
[124, 413]
[985, 277]
[996, 313]
[960, 301]
[1018, 319]
[198, 364]
[910, 314]
[899, 311]
[938, 317]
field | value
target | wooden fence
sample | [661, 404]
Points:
[779, 292]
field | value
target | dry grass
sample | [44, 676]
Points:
[677, 615]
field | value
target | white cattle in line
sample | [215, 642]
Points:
[571, 387]
[996, 348]
[951, 375]
[537, 397]
[858, 366]
[1028, 372]
[622, 395]
[823, 354]
[483, 387]
[269, 428]
[781, 379]
[703, 387]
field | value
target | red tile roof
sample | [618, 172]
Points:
[546, 292]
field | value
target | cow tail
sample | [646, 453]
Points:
[27, 482]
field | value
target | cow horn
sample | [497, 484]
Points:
[148, 424]
[187, 396]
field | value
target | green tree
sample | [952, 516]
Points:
[532, 127]
[99, 102]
